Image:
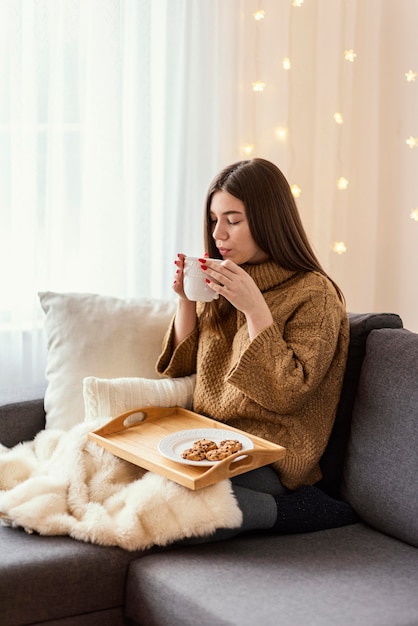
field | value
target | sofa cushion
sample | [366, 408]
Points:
[95, 335]
[48, 578]
[332, 461]
[344, 576]
[382, 460]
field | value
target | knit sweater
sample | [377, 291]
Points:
[285, 384]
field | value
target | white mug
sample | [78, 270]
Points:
[194, 281]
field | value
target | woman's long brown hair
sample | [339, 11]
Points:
[273, 219]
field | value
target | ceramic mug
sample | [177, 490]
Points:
[194, 281]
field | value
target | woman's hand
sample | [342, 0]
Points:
[241, 291]
[185, 320]
[179, 276]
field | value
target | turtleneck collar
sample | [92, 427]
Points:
[268, 275]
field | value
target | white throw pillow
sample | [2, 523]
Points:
[111, 397]
[102, 336]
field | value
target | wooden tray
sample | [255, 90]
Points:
[135, 435]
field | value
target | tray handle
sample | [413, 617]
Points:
[130, 418]
[229, 467]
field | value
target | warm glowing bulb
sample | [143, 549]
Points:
[338, 118]
[411, 76]
[248, 148]
[339, 247]
[296, 191]
[349, 55]
[414, 215]
[286, 63]
[297, 3]
[258, 86]
[342, 183]
[281, 133]
[412, 142]
[259, 15]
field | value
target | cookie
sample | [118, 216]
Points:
[218, 455]
[193, 454]
[231, 444]
[204, 444]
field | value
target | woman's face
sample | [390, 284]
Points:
[231, 232]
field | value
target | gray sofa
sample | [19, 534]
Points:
[364, 574]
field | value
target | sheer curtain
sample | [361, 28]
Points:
[109, 136]
[115, 115]
[77, 182]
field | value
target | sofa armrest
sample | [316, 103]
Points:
[21, 421]
[332, 461]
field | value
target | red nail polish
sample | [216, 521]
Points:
[201, 260]
[203, 267]
[207, 280]
[206, 253]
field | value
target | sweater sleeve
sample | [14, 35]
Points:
[180, 361]
[286, 362]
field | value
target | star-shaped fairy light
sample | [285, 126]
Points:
[296, 191]
[248, 149]
[339, 247]
[281, 133]
[297, 3]
[349, 55]
[414, 215]
[286, 63]
[342, 183]
[338, 118]
[259, 15]
[411, 76]
[258, 86]
[412, 142]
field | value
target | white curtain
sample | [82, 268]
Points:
[115, 115]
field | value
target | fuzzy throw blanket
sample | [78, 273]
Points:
[63, 484]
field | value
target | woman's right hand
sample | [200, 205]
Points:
[185, 319]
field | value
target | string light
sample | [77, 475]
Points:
[412, 142]
[296, 191]
[411, 76]
[281, 133]
[258, 85]
[342, 183]
[339, 247]
[259, 15]
[349, 55]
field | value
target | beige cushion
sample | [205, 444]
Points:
[111, 397]
[101, 336]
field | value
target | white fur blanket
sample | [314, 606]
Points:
[61, 483]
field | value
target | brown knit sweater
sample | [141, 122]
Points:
[285, 384]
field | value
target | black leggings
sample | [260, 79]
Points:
[254, 492]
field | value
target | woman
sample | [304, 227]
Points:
[270, 353]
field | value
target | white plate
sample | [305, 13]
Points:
[172, 446]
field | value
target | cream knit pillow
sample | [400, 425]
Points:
[111, 397]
